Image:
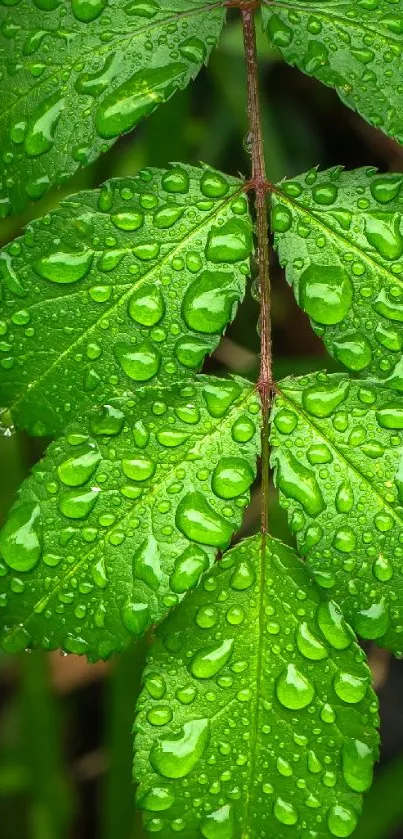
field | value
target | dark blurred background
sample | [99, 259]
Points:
[65, 726]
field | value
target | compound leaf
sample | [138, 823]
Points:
[256, 718]
[125, 512]
[353, 46]
[77, 75]
[340, 237]
[336, 450]
[119, 287]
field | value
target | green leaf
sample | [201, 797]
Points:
[125, 513]
[353, 46]
[340, 237]
[118, 288]
[256, 717]
[76, 76]
[336, 449]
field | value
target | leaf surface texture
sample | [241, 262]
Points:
[339, 235]
[256, 717]
[78, 74]
[119, 288]
[353, 46]
[125, 513]
[336, 450]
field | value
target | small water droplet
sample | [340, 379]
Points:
[293, 689]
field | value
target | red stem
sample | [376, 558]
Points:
[261, 186]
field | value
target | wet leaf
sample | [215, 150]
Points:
[340, 237]
[336, 451]
[77, 75]
[118, 288]
[352, 46]
[256, 717]
[125, 513]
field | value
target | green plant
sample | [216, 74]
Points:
[256, 717]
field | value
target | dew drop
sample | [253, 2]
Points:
[122, 109]
[136, 617]
[350, 688]
[293, 690]
[229, 242]
[77, 470]
[208, 304]
[299, 483]
[358, 761]
[65, 268]
[188, 569]
[140, 362]
[333, 627]
[326, 293]
[208, 661]
[341, 821]
[197, 520]
[231, 477]
[175, 758]
[77, 504]
[21, 537]
[310, 647]
[219, 824]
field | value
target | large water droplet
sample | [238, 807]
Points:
[64, 267]
[21, 538]
[229, 242]
[39, 136]
[156, 799]
[341, 821]
[383, 233]
[299, 483]
[308, 644]
[94, 84]
[122, 109]
[208, 304]
[354, 351]
[188, 568]
[77, 470]
[147, 563]
[293, 689]
[231, 477]
[390, 415]
[332, 625]
[167, 216]
[321, 400]
[87, 10]
[138, 468]
[219, 396]
[177, 757]
[200, 523]
[208, 661]
[325, 293]
[136, 617]
[373, 622]
[285, 812]
[386, 188]
[108, 420]
[140, 362]
[219, 824]
[350, 687]
[77, 504]
[358, 759]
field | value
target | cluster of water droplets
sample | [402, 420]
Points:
[355, 50]
[125, 514]
[215, 704]
[129, 284]
[340, 237]
[116, 62]
[336, 455]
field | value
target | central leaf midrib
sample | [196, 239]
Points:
[320, 432]
[217, 430]
[106, 48]
[339, 238]
[31, 386]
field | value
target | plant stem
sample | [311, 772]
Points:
[260, 185]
